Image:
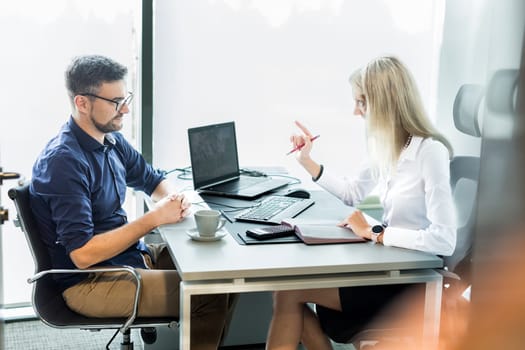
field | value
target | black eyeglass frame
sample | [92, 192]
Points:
[118, 104]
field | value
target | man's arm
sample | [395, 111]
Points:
[163, 189]
[106, 245]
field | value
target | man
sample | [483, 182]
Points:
[77, 191]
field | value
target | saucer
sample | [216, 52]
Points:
[194, 234]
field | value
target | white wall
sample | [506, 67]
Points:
[266, 63]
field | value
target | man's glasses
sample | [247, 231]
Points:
[119, 104]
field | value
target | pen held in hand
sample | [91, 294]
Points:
[301, 146]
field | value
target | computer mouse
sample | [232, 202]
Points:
[297, 193]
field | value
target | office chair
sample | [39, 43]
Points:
[48, 304]
[464, 174]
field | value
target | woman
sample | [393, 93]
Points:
[409, 162]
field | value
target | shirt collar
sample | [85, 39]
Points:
[109, 141]
[86, 141]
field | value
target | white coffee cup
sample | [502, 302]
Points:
[208, 222]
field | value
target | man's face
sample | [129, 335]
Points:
[104, 114]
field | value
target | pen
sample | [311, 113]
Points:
[226, 216]
[301, 146]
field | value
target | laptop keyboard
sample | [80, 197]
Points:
[273, 209]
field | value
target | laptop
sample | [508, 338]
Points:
[215, 164]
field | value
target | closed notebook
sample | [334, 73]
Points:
[322, 232]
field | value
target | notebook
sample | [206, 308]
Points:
[215, 164]
[322, 232]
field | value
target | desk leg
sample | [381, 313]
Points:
[432, 313]
[185, 317]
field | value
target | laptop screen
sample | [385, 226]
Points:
[213, 153]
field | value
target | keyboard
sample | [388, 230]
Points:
[273, 209]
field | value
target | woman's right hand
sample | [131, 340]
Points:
[303, 155]
[304, 139]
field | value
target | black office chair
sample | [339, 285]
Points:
[48, 304]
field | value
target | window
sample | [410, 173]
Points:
[39, 39]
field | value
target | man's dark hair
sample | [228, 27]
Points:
[86, 74]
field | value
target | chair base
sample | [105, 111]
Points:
[148, 335]
[126, 344]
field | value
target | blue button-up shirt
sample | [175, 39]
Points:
[77, 190]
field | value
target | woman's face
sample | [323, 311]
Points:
[359, 104]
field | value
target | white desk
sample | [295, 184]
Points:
[225, 266]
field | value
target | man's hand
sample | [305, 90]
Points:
[172, 208]
[357, 222]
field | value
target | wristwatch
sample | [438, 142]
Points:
[377, 230]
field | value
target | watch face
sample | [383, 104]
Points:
[377, 229]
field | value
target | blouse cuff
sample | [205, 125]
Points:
[314, 179]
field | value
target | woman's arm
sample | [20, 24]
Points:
[439, 236]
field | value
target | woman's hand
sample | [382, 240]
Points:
[303, 155]
[357, 223]
[297, 140]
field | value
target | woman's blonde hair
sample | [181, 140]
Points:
[394, 110]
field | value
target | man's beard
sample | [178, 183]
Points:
[109, 126]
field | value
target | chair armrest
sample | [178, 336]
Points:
[370, 202]
[128, 269]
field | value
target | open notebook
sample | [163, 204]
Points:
[322, 232]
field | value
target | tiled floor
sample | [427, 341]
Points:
[34, 335]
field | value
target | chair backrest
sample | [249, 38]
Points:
[464, 174]
[466, 107]
[48, 303]
[27, 222]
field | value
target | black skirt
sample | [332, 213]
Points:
[360, 305]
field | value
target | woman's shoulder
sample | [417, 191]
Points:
[431, 147]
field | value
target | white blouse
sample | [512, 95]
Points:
[417, 200]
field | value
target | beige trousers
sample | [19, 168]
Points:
[111, 294]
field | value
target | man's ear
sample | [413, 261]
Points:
[82, 103]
